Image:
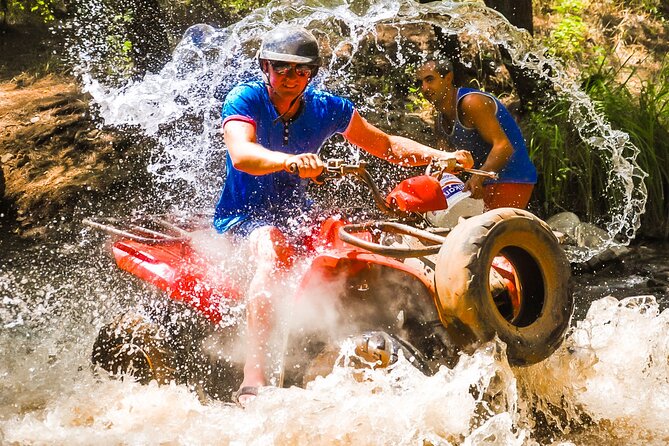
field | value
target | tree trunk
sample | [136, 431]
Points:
[532, 89]
[517, 12]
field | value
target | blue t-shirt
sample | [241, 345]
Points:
[518, 168]
[274, 198]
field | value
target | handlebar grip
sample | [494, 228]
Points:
[293, 169]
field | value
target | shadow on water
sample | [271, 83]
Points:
[643, 271]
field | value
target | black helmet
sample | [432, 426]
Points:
[290, 44]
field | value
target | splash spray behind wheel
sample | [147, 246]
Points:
[369, 50]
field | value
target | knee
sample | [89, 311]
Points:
[269, 245]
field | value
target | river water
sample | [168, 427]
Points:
[608, 383]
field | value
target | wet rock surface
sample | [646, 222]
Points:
[642, 270]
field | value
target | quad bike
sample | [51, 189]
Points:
[398, 286]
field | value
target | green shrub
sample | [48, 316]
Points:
[645, 118]
[567, 38]
[571, 175]
[42, 10]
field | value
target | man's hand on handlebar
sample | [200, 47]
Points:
[464, 159]
[306, 165]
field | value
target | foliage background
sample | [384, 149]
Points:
[617, 49]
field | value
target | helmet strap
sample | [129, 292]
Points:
[265, 75]
[297, 98]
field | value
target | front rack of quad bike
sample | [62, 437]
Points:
[150, 229]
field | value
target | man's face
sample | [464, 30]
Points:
[433, 86]
[288, 79]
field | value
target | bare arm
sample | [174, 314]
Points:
[397, 149]
[479, 112]
[250, 157]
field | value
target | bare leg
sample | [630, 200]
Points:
[272, 254]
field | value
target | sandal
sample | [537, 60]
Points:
[245, 390]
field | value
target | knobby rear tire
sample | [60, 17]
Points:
[134, 346]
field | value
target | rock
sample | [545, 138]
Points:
[590, 236]
[565, 223]
[606, 256]
[584, 239]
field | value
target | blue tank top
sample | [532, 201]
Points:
[276, 197]
[519, 167]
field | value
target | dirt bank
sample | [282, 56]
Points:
[54, 155]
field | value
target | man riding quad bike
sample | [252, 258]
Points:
[395, 285]
[273, 130]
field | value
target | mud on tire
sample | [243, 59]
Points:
[134, 346]
[465, 301]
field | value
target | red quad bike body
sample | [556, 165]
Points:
[429, 292]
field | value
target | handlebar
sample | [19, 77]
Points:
[440, 166]
[337, 168]
[485, 173]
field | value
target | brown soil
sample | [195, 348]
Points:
[49, 149]
[53, 154]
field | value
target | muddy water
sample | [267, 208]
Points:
[608, 383]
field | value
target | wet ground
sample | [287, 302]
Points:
[644, 270]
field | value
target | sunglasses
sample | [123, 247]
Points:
[282, 68]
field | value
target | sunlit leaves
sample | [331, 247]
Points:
[569, 34]
[41, 8]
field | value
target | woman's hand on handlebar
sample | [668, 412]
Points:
[306, 165]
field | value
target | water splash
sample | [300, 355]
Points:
[399, 406]
[480, 401]
[179, 106]
[607, 383]
[612, 370]
[52, 307]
